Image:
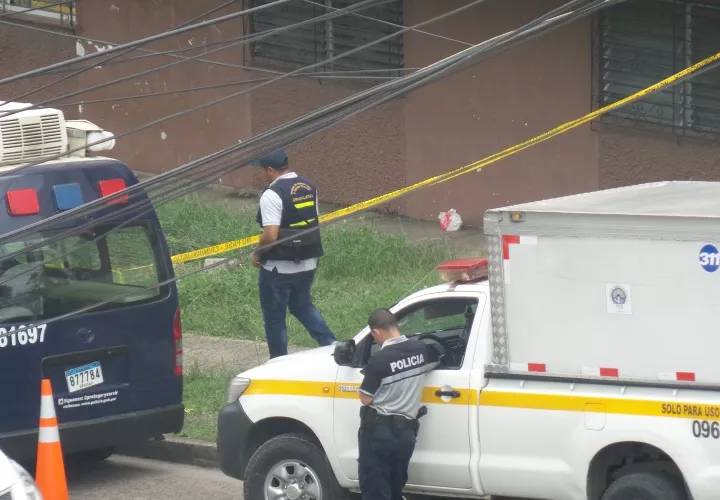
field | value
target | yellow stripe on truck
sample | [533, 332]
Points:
[618, 406]
[340, 390]
[527, 401]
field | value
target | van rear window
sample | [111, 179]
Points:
[79, 271]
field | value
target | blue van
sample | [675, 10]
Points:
[116, 370]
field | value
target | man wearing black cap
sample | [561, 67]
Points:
[287, 270]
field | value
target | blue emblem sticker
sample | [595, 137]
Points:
[710, 258]
[618, 296]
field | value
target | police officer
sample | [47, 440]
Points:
[390, 393]
[287, 269]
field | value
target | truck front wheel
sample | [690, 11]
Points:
[290, 467]
[646, 486]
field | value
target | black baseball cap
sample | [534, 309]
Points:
[277, 159]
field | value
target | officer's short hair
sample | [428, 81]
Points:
[382, 319]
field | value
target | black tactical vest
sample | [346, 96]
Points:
[299, 197]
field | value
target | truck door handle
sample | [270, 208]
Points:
[452, 394]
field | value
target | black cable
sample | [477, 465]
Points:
[318, 74]
[206, 87]
[168, 53]
[45, 7]
[388, 23]
[144, 41]
[94, 306]
[113, 58]
[244, 40]
[205, 14]
[527, 30]
[338, 107]
[178, 172]
[273, 80]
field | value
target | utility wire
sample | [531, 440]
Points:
[112, 58]
[180, 171]
[205, 14]
[248, 68]
[243, 41]
[388, 23]
[170, 53]
[234, 255]
[271, 81]
[270, 136]
[188, 274]
[495, 42]
[143, 41]
[306, 121]
[206, 87]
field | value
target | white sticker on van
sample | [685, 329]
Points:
[22, 335]
[88, 400]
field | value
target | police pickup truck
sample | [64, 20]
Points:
[580, 363]
[15, 482]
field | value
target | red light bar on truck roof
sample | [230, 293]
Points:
[464, 270]
[22, 202]
[110, 186]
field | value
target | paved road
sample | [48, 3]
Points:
[124, 478]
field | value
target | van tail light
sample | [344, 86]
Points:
[177, 344]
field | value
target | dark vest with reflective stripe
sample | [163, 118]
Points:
[299, 198]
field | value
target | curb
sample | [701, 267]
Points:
[175, 449]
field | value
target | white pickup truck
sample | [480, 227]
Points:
[15, 482]
[583, 367]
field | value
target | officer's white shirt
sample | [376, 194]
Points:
[271, 208]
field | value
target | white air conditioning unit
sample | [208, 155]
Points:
[31, 135]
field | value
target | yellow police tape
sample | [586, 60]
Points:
[358, 207]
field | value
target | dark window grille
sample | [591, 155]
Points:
[645, 41]
[316, 42]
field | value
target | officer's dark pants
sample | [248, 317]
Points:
[280, 291]
[383, 461]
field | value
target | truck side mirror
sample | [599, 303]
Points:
[344, 354]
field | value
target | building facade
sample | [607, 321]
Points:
[464, 117]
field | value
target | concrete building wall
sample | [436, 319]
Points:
[178, 140]
[496, 104]
[23, 50]
[632, 157]
[358, 159]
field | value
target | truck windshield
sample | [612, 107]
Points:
[79, 271]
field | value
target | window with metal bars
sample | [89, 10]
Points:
[645, 41]
[43, 10]
[322, 40]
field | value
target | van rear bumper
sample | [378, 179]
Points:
[100, 432]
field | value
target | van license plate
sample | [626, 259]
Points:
[84, 376]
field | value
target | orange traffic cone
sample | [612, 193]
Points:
[50, 472]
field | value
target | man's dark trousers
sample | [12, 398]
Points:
[383, 461]
[280, 291]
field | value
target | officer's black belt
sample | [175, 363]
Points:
[370, 417]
